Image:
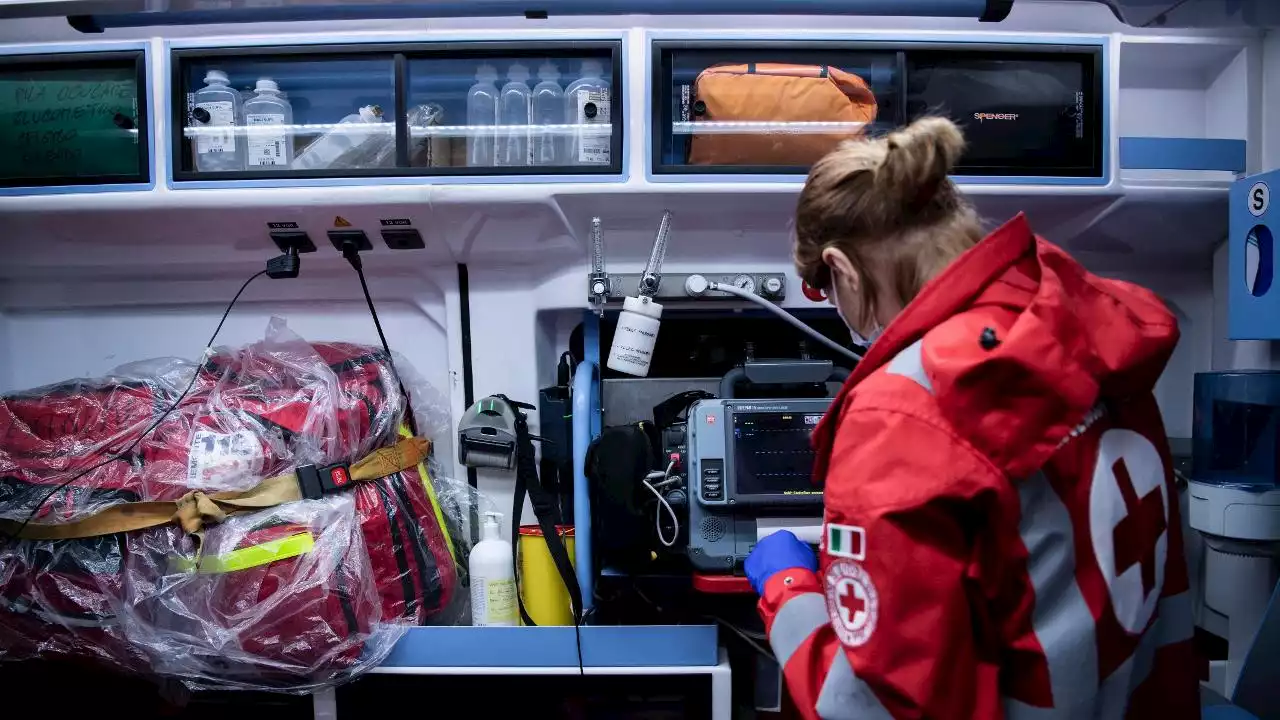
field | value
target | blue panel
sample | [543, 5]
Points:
[75, 189]
[602, 646]
[491, 8]
[1147, 153]
[591, 352]
[586, 427]
[1253, 223]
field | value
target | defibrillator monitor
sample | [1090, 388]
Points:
[754, 452]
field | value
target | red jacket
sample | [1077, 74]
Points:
[1001, 534]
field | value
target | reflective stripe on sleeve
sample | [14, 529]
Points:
[794, 622]
[845, 696]
[910, 364]
[1173, 625]
[1063, 624]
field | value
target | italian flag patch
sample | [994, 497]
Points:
[846, 541]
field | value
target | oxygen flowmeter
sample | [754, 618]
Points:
[632, 349]
[633, 342]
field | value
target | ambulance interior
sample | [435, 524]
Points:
[499, 261]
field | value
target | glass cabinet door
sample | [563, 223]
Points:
[1024, 112]
[768, 108]
[288, 114]
[517, 111]
[476, 108]
[76, 119]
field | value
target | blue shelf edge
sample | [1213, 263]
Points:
[1156, 153]
[602, 646]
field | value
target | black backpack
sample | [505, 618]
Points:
[617, 462]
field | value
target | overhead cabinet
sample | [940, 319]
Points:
[73, 119]
[775, 108]
[444, 109]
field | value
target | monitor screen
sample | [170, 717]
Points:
[772, 455]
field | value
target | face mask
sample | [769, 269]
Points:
[859, 339]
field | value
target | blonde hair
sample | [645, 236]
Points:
[890, 207]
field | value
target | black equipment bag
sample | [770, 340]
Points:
[617, 462]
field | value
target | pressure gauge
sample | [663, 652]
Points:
[772, 287]
[745, 282]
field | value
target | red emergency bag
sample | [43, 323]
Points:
[294, 596]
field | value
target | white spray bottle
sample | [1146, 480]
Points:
[632, 349]
[493, 577]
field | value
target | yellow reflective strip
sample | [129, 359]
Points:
[431, 496]
[255, 555]
[245, 558]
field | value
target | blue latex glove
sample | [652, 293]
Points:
[779, 551]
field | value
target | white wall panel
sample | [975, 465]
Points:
[1162, 112]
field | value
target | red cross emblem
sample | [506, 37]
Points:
[852, 599]
[851, 602]
[1136, 535]
[1129, 524]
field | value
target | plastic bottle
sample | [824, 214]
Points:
[587, 103]
[547, 147]
[268, 146]
[513, 113]
[482, 112]
[632, 348]
[493, 578]
[218, 105]
[342, 146]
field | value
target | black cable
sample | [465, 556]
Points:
[352, 254]
[753, 642]
[577, 636]
[154, 424]
[1163, 16]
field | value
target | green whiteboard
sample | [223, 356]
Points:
[69, 122]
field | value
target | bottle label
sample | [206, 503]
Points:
[493, 602]
[222, 114]
[266, 147]
[594, 141]
[632, 348]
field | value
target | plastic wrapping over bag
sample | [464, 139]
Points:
[290, 597]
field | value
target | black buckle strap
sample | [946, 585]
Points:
[316, 482]
[545, 509]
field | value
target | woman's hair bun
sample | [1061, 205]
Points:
[917, 160]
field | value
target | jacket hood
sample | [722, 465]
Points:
[1020, 343]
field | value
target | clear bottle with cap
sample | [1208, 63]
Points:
[343, 146]
[588, 108]
[216, 111]
[267, 120]
[482, 116]
[513, 119]
[493, 577]
[547, 145]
